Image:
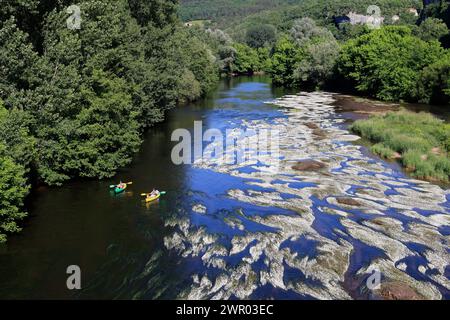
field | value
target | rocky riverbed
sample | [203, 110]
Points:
[316, 218]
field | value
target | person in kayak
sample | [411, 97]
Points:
[153, 194]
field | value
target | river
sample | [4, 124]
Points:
[257, 230]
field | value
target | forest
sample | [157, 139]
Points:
[310, 45]
[222, 10]
[75, 102]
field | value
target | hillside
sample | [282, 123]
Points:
[238, 14]
[223, 10]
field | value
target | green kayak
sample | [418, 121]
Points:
[120, 189]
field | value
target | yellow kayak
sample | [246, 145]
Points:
[152, 198]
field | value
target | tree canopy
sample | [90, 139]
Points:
[386, 63]
[76, 101]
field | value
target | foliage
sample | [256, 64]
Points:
[285, 58]
[438, 9]
[323, 11]
[247, 59]
[305, 31]
[77, 101]
[386, 63]
[218, 37]
[434, 82]
[348, 31]
[265, 62]
[318, 63]
[16, 58]
[306, 58]
[227, 57]
[16, 137]
[13, 184]
[321, 51]
[431, 29]
[259, 36]
[100, 85]
[159, 13]
[421, 139]
[223, 10]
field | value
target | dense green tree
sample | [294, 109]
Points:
[100, 136]
[218, 44]
[223, 10]
[15, 135]
[83, 104]
[220, 37]
[119, 75]
[259, 36]
[201, 61]
[386, 63]
[320, 49]
[170, 53]
[159, 13]
[265, 63]
[318, 64]
[17, 59]
[227, 56]
[285, 59]
[247, 59]
[349, 31]
[13, 182]
[431, 29]
[438, 9]
[305, 31]
[322, 11]
[13, 190]
[434, 82]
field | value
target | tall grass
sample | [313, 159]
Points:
[422, 140]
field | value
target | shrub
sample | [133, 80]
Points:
[421, 139]
[382, 150]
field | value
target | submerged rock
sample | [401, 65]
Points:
[312, 125]
[321, 134]
[308, 165]
[349, 202]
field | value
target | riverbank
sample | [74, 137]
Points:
[420, 142]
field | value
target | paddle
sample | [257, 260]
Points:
[147, 194]
[113, 186]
